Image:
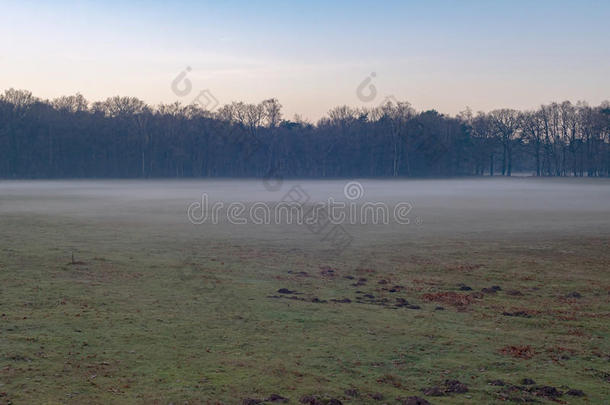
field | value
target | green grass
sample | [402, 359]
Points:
[162, 314]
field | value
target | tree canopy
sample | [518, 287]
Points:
[123, 137]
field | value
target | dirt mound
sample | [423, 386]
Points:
[377, 396]
[352, 392]
[361, 281]
[575, 393]
[455, 387]
[521, 314]
[415, 401]
[498, 383]
[529, 392]
[433, 391]
[514, 292]
[450, 387]
[317, 400]
[276, 398]
[327, 271]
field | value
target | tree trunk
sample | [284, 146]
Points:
[503, 159]
[538, 159]
[491, 165]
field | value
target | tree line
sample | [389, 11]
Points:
[123, 137]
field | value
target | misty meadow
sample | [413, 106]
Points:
[311, 203]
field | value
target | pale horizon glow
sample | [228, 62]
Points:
[312, 56]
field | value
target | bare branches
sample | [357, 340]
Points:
[124, 137]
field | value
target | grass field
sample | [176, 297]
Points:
[154, 310]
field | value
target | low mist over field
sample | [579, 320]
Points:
[442, 207]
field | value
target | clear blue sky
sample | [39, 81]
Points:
[312, 55]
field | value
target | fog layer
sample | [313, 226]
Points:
[441, 208]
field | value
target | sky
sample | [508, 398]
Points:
[311, 55]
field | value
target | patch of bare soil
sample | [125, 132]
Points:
[451, 298]
[520, 352]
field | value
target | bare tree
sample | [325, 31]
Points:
[506, 124]
[533, 131]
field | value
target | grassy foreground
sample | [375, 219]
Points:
[154, 316]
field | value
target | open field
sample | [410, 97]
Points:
[492, 280]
